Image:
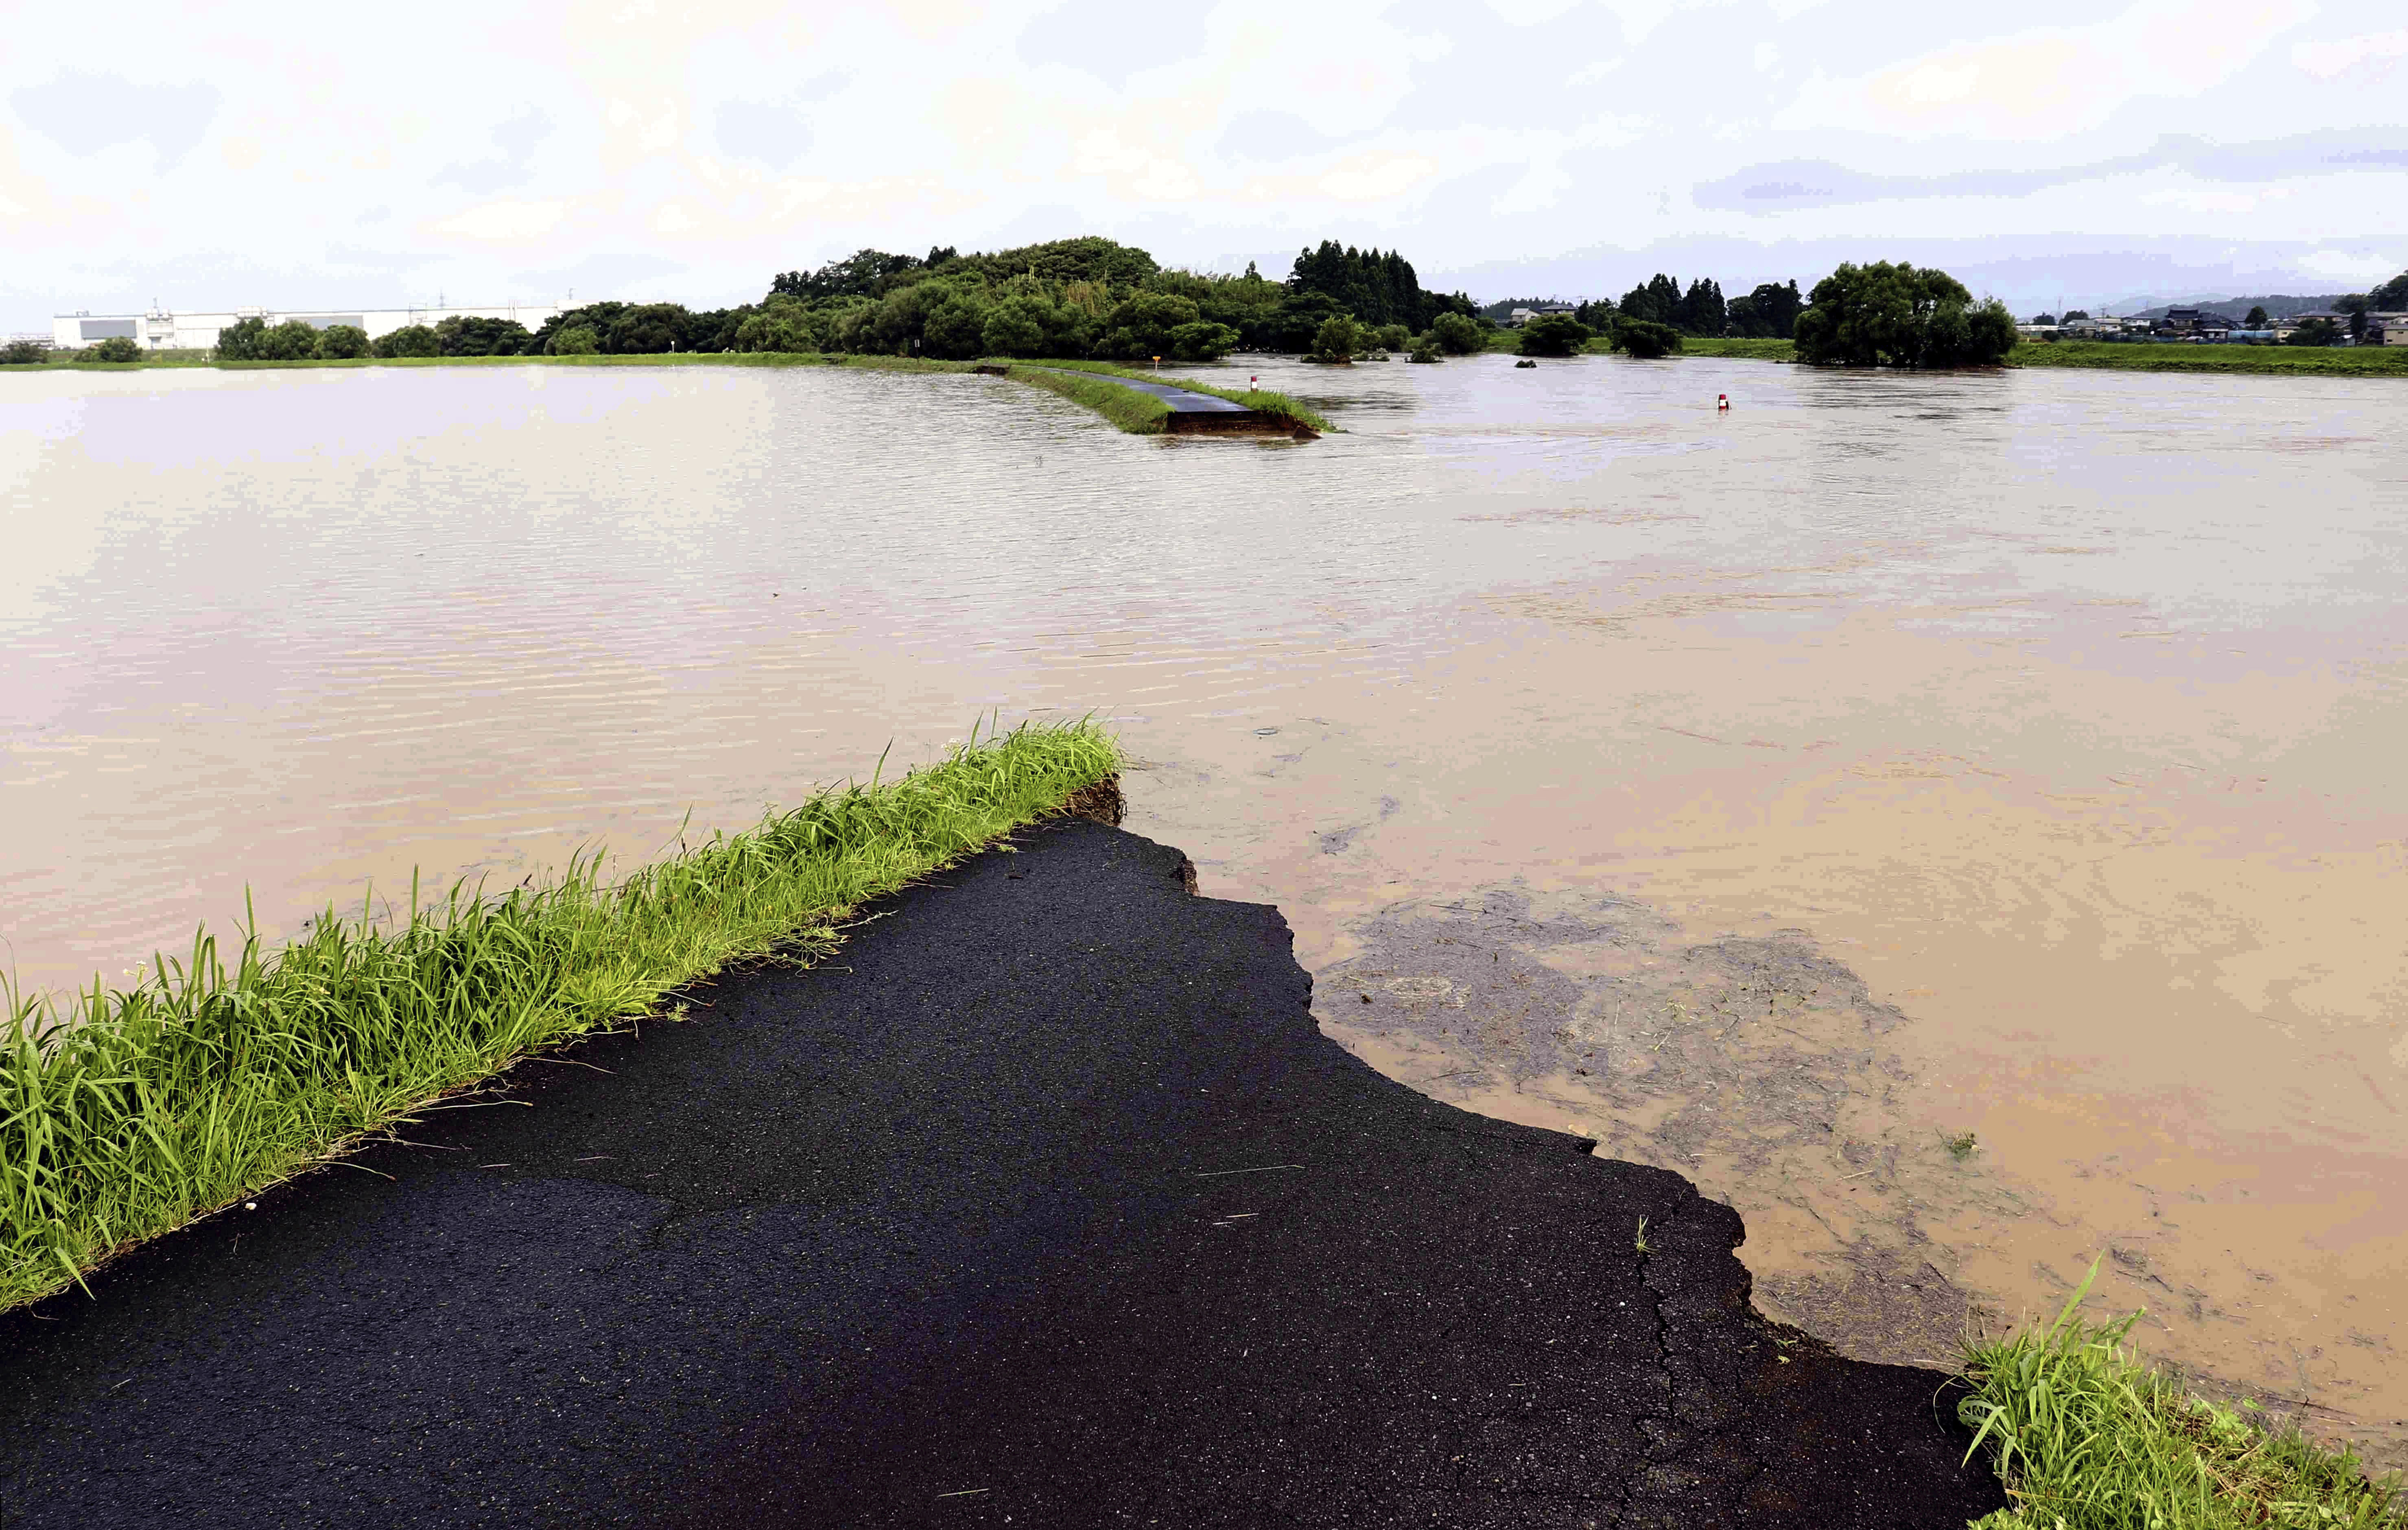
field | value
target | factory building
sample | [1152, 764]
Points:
[161, 330]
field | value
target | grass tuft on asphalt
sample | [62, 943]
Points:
[2086, 1437]
[1278, 406]
[125, 1114]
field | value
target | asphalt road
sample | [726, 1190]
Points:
[1045, 1205]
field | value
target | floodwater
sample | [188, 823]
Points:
[1778, 795]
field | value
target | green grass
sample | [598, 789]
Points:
[1138, 413]
[1261, 400]
[125, 1114]
[2141, 356]
[2085, 1437]
[1739, 349]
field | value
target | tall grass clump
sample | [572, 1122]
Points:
[2085, 1437]
[1137, 413]
[1278, 406]
[125, 1114]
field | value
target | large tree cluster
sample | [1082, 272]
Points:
[1885, 315]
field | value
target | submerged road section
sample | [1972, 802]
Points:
[1046, 1204]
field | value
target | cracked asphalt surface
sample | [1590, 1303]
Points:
[1044, 1204]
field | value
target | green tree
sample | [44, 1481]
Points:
[1658, 301]
[1645, 338]
[1338, 339]
[2257, 319]
[1426, 349]
[576, 340]
[1767, 313]
[240, 340]
[408, 340]
[1897, 315]
[1393, 337]
[1702, 311]
[1458, 334]
[1015, 327]
[23, 354]
[1553, 334]
[341, 342]
[2043, 319]
[290, 341]
[2314, 331]
[955, 328]
[470, 335]
[117, 348]
[2069, 315]
[1202, 341]
[1140, 326]
[2391, 298]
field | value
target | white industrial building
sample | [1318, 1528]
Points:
[161, 330]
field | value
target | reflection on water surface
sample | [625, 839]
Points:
[1888, 759]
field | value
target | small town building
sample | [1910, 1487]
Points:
[1520, 317]
[2385, 328]
[161, 329]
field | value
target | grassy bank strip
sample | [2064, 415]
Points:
[1278, 406]
[127, 1114]
[1138, 413]
[2327, 360]
[2086, 1438]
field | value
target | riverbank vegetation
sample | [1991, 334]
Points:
[1263, 401]
[124, 1114]
[1901, 315]
[2144, 356]
[2086, 1438]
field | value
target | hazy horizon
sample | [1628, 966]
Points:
[2174, 150]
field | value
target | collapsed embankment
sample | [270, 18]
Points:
[1050, 1205]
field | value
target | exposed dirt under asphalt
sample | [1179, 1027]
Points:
[1047, 1203]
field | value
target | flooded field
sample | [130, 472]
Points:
[1959, 820]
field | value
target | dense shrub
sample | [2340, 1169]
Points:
[117, 348]
[1458, 334]
[1202, 342]
[577, 341]
[1553, 334]
[1338, 339]
[341, 342]
[1014, 328]
[1645, 339]
[23, 354]
[408, 340]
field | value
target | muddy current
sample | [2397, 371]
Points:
[1954, 819]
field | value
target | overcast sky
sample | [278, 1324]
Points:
[210, 156]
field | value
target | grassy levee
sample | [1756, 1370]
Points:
[2136, 356]
[1140, 414]
[2085, 1437]
[1261, 400]
[127, 1114]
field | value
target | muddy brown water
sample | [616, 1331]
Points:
[1778, 797]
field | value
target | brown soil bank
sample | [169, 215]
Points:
[1049, 1205]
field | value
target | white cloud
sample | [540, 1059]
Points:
[2051, 82]
[505, 222]
[2327, 58]
[725, 140]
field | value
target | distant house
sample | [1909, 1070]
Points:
[2386, 328]
[1520, 317]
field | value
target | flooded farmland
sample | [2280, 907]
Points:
[1959, 820]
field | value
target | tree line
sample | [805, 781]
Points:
[1090, 297]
